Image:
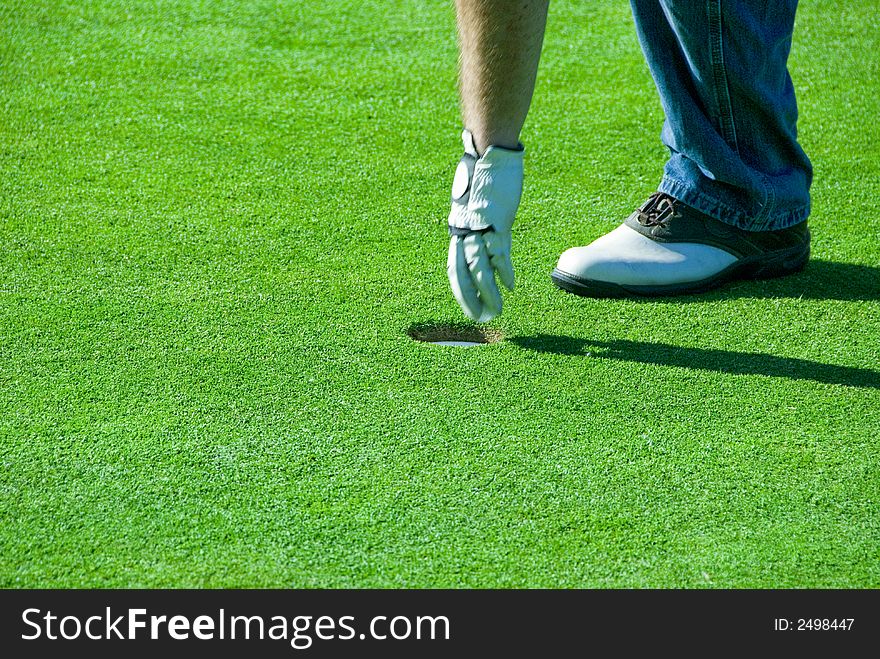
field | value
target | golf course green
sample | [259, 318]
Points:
[221, 221]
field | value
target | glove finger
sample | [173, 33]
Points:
[498, 247]
[460, 280]
[504, 268]
[483, 275]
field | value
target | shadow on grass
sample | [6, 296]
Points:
[722, 361]
[820, 280]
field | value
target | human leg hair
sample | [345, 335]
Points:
[500, 45]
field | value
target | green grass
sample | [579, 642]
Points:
[218, 221]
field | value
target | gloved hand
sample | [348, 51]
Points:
[485, 195]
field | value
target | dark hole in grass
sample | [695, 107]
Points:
[434, 332]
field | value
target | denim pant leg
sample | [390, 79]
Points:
[720, 69]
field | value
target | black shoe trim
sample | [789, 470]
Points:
[664, 219]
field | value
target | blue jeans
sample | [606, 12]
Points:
[731, 115]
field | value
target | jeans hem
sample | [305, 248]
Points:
[714, 207]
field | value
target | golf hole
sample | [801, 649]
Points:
[459, 336]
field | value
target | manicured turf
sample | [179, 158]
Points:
[218, 220]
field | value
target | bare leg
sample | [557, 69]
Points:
[500, 43]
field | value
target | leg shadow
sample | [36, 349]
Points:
[820, 280]
[722, 361]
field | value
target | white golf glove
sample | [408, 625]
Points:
[485, 195]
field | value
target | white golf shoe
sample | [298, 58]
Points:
[668, 248]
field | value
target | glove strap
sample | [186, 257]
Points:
[486, 189]
[460, 231]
